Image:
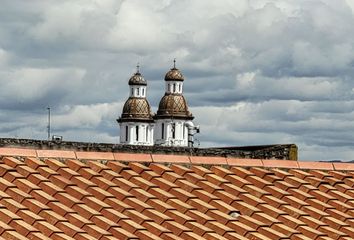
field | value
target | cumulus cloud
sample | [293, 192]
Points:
[27, 87]
[269, 71]
[85, 116]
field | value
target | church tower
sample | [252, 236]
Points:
[136, 122]
[172, 121]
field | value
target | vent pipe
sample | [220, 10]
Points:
[191, 131]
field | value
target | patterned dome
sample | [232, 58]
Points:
[175, 106]
[174, 75]
[137, 79]
[136, 109]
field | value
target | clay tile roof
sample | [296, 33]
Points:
[148, 196]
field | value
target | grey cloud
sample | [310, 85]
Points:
[268, 71]
[30, 88]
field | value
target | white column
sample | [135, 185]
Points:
[178, 130]
[137, 91]
[152, 135]
[167, 131]
[131, 131]
[143, 134]
[123, 133]
[121, 128]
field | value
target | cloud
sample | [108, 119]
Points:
[268, 71]
[25, 88]
[85, 116]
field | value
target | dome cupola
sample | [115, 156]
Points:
[136, 122]
[137, 107]
[173, 106]
[174, 74]
[173, 115]
[137, 79]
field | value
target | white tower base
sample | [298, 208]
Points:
[171, 133]
[136, 133]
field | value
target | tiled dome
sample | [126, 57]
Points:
[136, 109]
[173, 105]
[174, 75]
[137, 79]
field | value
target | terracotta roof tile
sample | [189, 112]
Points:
[96, 232]
[311, 232]
[141, 206]
[13, 162]
[34, 205]
[244, 162]
[208, 160]
[13, 235]
[138, 157]
[347, 230]
[343, 166]
[316, 165]
[128, 174]
[23, 152]
[42, 196]
[77, 220]
[288, 164]
[237, 181]
[245, 208]
[95, 155]
[193, 177]
[142, 183]
[291, 222]
[12, 205]
[55, 154]
[191, 235]
[178, 216]
[180, 169]
[47, 172]
[258, 236]
[124, 184]
[271, 233]
[46, 228]
[156, 228]
[254, 199]
[161, 158]
[28, 216]
[95, 203]
[5, 227]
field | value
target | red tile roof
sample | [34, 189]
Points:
[48, 194]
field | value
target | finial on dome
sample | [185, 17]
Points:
[174, 63]
[137, 78]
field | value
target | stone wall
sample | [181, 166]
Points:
[278, 151]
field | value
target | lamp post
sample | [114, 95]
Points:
[48, 127]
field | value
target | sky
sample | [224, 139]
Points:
[256, 71]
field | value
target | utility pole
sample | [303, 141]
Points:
[48, 127]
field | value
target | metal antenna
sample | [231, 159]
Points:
[48, 127]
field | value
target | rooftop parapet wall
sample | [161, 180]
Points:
[278, 151]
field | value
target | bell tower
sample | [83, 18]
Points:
[136, 122]
[172, 116]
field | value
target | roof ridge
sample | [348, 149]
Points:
[173, 158]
